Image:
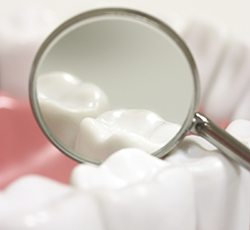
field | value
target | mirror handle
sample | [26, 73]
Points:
[229, 146]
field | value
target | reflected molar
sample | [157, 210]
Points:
[20, 38]
[119, 129]
[65, 100]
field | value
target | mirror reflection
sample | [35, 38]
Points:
[112, 81]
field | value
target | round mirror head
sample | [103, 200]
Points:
[110, 79]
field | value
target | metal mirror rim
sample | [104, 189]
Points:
[138, 15]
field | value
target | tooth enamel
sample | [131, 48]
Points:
[221, 187]
[119, 129]
[240, 129]
[65, 101]
[50, 206]
[230, 83]
[134, 190]
[29, 193]
[20, 39]
[243, 110]
[206, 44]
[159, 204]
[127, 166]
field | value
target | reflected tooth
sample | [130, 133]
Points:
[207, 45]
[231, 81]
[65, 101]
[52, 206]
[119, 129]
[20, 39]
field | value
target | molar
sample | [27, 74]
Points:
[28, 193]
[150, 187]
[39, 203]
[65, 100]
[125, 167]
[221, 186]
[119, 129]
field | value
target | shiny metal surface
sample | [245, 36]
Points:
[229, 146]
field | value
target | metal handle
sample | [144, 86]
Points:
[229, 146]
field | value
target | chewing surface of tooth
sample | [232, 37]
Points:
[119, 129]
[20, 39]
[126, 167]
[65, 101]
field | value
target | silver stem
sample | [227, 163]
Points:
[228, 145]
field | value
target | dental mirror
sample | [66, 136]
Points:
[113, 78]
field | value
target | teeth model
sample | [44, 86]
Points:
[20, 38]
[195, 188]
[119, 129]
[64, 101]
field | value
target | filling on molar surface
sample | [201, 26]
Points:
[76, 113]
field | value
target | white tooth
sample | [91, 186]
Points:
[242, 111]
[230, 83]
[125, 167]
[119, 129]
[240, 129]
[221, 187]
[51, 208]
[207, 45]
[20, 39]
[167, 202]
[29, 193]
[65, 101]
[153, 195]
